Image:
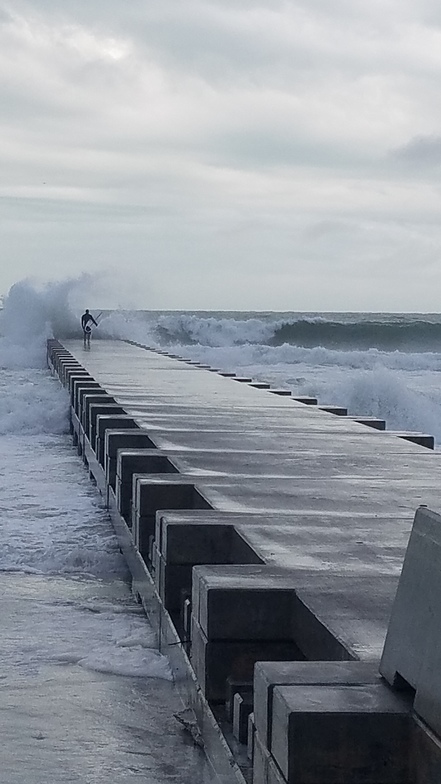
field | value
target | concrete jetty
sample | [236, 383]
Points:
[266, 537]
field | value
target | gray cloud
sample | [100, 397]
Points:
[421, 150]
[290, 147]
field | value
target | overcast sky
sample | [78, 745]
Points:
[224, 154]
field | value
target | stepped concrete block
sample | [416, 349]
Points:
[196, 544]
[247, 614]
[90, 398]
[66, 366]
[96, 409]
[377, 424]
[106, 422]
[72, 374]
[136, 461]
[312, 634]
[281, 392]
[341, 735]
[85, 393]
[126, 438]
[260, 385]
[199, 543]
[81, 388]
[82, 378]
[214, 661]
[79, 378]
[235, 601]
[150, 495]
[185, 543]
[412, 651]
[422, 439]
[306, 400]
[268, 675]
[337, 410]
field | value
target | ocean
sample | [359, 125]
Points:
[57, 542]
[386, 365]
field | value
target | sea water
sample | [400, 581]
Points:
[86, 695]
[385, 365]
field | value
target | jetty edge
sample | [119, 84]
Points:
[266, 538]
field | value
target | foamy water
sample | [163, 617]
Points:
[368, 363]
[80, 668]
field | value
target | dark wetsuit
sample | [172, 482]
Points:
[86, 320]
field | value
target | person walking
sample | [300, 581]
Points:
[86, 324]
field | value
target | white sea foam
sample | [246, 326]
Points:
[53, 525]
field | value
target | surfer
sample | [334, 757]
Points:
[86, 320]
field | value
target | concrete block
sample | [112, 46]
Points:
[106, 422]
[68, 365]
[268, 675]
[412, 651]
[150, 496]
[337, 410]
[137, 461]
[306, 400]
[196, 543]
[281, 392]
[312, 635]
[173, 582]
[274, 775]
[131, 462]
[250, 738]
[261, 759]
[341, 735]
[84, 396]
[245, 614]
[81, 388]
[260, 385]
[377, 424]
[186, 620]
[214, 661]
[124, 438]
[249, 602]
[81, 377]
[88, 398]
[422, 439]
[244, 688]
[86, 383]
[242, 707]
[426, 755]
[95, 409]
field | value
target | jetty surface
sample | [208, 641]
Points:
[266, 538]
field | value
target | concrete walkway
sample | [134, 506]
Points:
[327, 500]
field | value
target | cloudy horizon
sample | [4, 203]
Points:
[268, 155]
